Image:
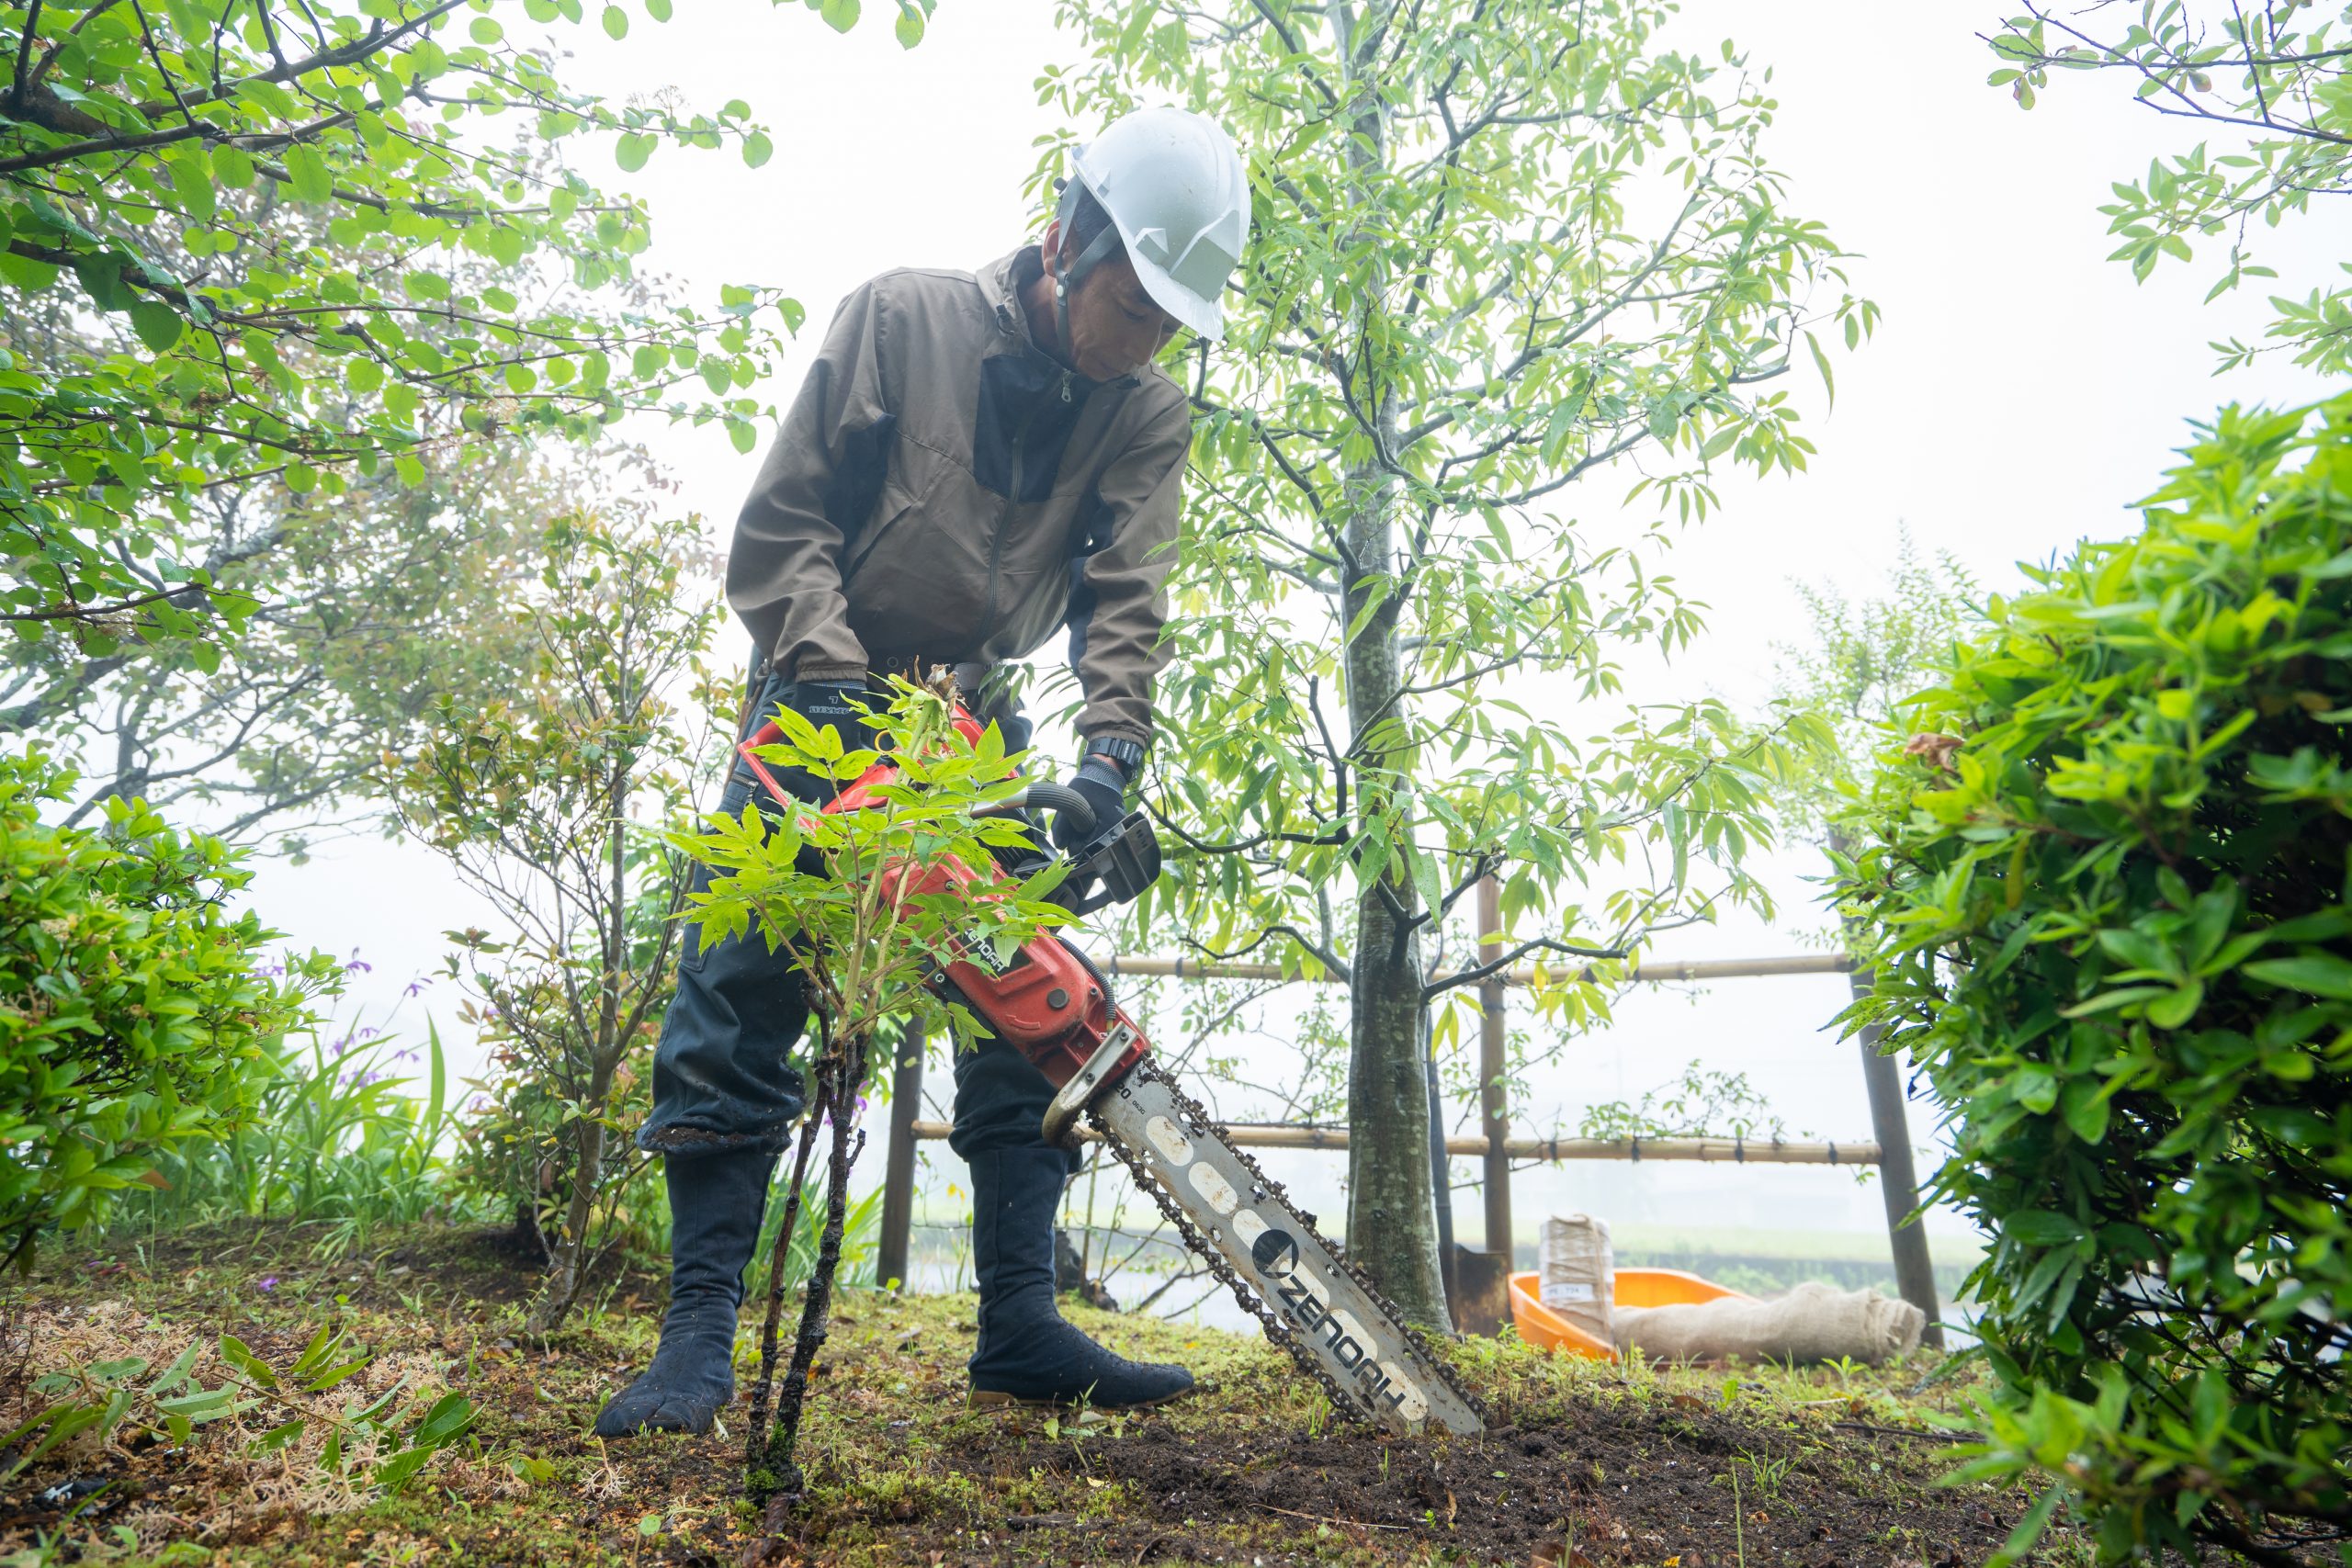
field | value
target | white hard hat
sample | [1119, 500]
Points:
[1173, 186]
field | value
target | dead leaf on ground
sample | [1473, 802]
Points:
[1558, 1554]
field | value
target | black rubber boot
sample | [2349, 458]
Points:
[1026, 1354]
[716, 1201]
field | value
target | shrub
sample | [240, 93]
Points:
[542, 800]
[132, 1016]
[2108, 885]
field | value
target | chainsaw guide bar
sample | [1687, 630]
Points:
[1312, 1302]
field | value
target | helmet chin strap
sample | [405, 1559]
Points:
[1074, 273]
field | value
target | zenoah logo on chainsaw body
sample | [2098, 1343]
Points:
[1275, 1253]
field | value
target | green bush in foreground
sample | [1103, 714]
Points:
[2108, 882]
[132, 1016]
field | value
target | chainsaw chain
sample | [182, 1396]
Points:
[1251, 1302]
[1201, 1123]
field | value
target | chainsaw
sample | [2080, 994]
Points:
[1050, 1000]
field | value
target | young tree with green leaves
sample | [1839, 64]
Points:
[845, 890]
[547, 801]
[1503, 246]
[2268, 81]
[278, 200]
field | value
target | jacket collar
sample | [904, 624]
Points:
[1001, 282]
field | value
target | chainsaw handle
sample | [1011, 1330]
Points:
[1064, 802]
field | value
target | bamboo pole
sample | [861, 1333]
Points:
[1492, 1066]
[1915, 1270]
[898, 1169]
[1657, 972]
[1709, 1151]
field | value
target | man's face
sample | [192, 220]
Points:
[1115, 325]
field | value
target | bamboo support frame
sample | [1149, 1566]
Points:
[1498, 1151]
[1656, 972]
[1706, 1150]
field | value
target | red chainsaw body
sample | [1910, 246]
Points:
[1043, 1001]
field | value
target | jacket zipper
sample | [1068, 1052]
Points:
[996, 541]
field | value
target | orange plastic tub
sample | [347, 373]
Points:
[1539, 1324]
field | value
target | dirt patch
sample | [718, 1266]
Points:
[1613, 1485]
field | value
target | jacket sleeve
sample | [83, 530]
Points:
[783, 574]
[1120, 601]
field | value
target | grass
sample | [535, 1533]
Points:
[1587, 1462]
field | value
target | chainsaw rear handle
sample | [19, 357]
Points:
[1065, 803]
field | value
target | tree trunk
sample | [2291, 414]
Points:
[1392, 1218]
[572, 1247]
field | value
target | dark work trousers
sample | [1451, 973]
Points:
[723, 1074]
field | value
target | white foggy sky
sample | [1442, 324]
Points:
[2020, 391]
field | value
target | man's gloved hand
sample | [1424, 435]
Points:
[827, 705]
[1105, 785]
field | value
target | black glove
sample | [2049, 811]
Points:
[828, 705]
[1104, 786]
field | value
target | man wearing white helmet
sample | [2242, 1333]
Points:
[974, 461]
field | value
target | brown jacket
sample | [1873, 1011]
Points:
[943, 487]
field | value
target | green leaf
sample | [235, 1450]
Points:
[395, 1472]
[279, 1435]
[450, 1415]
[232, 166]
[2036, 1519]
[158, 325]
[2037, 1228]
[757, 149]
[234, 1351]
[192, 183]
[306, 168]
[2085, 1110]
[840, 15]
[320, 1382]
[1821, 363]
[616, 22]
[632, 151]
[2172, 1011]
[2314, 974]
[908, 27]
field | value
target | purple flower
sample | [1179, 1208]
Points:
[419, 985]
[269, 1281]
